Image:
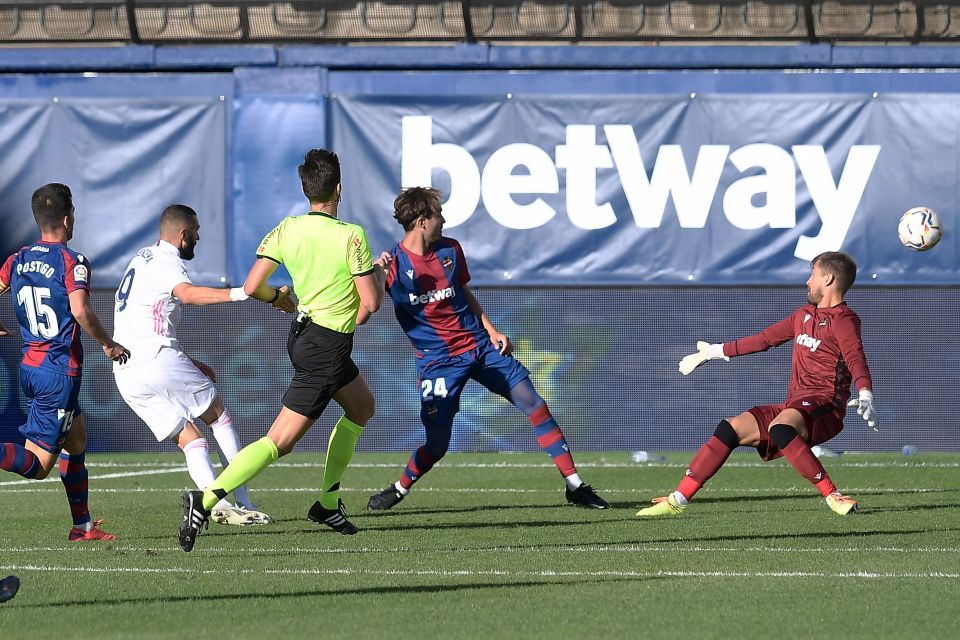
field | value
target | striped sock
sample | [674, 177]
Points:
[343, 440]
[18, 460]
[73, 475]
[420, 462]
[551, 440]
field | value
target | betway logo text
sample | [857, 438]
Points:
[431, 296]
[693, 192]
[808, 341]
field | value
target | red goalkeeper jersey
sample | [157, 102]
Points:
[827, 351]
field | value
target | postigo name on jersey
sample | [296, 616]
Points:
[431, 296]
[36, 266]
[763, 198]
[808, 341]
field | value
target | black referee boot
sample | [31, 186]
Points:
[336, 519]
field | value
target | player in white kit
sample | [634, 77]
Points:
[168, 389]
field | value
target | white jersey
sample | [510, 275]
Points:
[145, 311]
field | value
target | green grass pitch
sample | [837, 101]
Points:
[486, 548]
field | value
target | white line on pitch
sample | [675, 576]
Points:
[494, 573]
[106, 476]
[575, 549]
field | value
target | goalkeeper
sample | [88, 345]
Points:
[827, 355]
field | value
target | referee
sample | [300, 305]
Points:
[335, 279]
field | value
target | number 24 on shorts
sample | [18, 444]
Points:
[431, 389]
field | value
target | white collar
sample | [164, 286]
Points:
[166, 247]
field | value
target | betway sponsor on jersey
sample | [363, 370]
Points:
[768, 198]
[808, 341]
[431, 296]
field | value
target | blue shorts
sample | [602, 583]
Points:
[441, 380]
[52, 405]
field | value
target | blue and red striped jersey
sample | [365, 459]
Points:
[41, 278]
[428, 297]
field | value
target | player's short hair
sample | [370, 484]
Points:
[51, 203]
[319, 175]
[841, 265]
[176, 217]
[416, 202]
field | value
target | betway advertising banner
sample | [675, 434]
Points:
[619, 190]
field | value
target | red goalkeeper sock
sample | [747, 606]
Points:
[704, 465]
[799, 455]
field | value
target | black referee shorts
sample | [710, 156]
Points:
[322, 366]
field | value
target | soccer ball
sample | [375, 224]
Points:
[920, 229]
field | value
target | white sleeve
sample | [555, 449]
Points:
[173, 274]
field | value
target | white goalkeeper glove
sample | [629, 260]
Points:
[865, 408]
[705, 351]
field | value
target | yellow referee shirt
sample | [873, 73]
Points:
[322, 255]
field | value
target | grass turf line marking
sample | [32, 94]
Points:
[593, 548]
[494, 573]
[106, 476]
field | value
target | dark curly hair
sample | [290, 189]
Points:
[414, 203]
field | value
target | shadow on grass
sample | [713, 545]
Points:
[639, 503]
[779, 537]
[566, 581]
[382, 525]
[773, 495]
[688, 540]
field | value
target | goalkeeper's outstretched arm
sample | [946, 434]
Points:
[705, 351]
[775, 334]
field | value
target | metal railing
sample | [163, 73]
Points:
[516, 21]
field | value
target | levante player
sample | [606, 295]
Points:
[827, 355]
[50, 285]
[455, 341]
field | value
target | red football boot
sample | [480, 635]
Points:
[79, 534]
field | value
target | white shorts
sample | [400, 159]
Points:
[166, 392]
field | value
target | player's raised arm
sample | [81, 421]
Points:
[192, 294]
[501, 340]
[705, 351]
[86, 317]
[774, 335]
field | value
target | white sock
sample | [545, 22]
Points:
[199, 466]
[400, 489]
[198, 463]
[680, 498]
[573, 481]
[229, 445]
